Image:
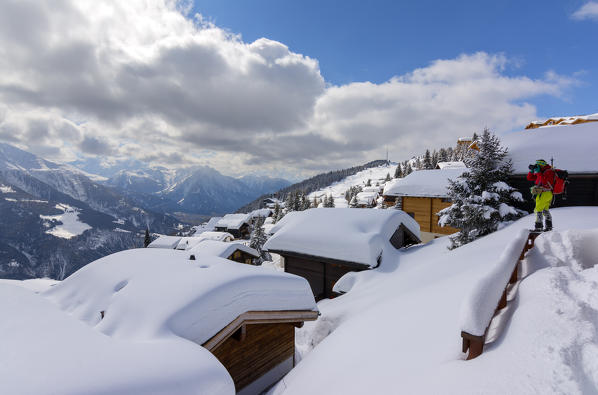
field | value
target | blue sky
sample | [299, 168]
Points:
[375, 40]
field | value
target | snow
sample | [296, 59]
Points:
[398, 328]
[159, 293]
[221, 249]
[70, 225]
[262, 212]
[337, 190]
[6, 189]
[206, 227]
[478, 307]
[451, 165]
[45, 351]
[567, 120]
[423, 183]
[348, 234]
[366, 198]
[233, 221]
[218, 236]
[36, 285]
[168, 242]
[573, 147]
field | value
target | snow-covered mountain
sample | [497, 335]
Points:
[56, 219]
[198, 189]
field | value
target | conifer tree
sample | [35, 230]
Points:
[408, 170]
[398, 172]
[257, 240]
[147, 239]
[418, 163]
[368, 183]
[435, 159]
[331, 202]
[387, 177]
[427, 163]
[481, 197]
[276, 215]
[442, 155]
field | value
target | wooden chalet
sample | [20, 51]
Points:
[323, 244]
[245, 316]
[574, 120]
[236, 224]
[422, 194]
[232, 251]
[258, 347]
[569, 146]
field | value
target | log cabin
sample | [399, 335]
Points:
[245, 316]
[324, 244]
[569, 146]
[422, 194]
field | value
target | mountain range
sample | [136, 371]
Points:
[56, 218]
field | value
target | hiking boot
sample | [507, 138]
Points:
[548, 226]
[538, 227]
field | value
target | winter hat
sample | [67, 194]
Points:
[541, 162]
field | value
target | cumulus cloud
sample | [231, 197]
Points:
[587, 11]
[143, 79]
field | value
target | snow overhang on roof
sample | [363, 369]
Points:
[145, 293]
[573, 147]
[568, 120]
[424, 183]
[450, 165]
[343, 234]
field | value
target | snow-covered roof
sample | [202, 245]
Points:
[567, 120]
[262, 212]
[370, 189]
[347, 234]
[221, 249]
[573, 147]
[424, 183]
[450, 165]
[206, 227]
[218, 236]
[48, 351]
[165, 242]
[366, 198]
[160, 293]
[233, 221]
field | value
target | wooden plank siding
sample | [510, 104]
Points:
[423, 210]
[263, 347]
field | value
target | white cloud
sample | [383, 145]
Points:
[587, 11]
[140, 79]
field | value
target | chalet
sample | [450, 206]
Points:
[365, 199]
[569, 146]
[206, 226]
[245, 316]
[236, 224]
[233, 251]
[422, 194]
[574, 120]
[323, 244]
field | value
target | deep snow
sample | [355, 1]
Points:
[398, 329]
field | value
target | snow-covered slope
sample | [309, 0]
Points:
[398, 329]
[376, 175]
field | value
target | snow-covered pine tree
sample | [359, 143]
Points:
[147, 239]
[418, 163]
[277, 214]
[398, 171]
[387, 177]
[408, 170]
[289, 202]
[427, 163]
[482, 199]
[330, 201]
[435, 159]
[442, 155]
[257, 240]
[368, 183]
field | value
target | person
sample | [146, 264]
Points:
[543, 176]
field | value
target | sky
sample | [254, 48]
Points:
[284, 88]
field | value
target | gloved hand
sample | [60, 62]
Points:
[531, 167]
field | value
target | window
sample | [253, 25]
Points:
[412, 215]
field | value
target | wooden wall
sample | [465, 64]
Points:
[321, 275]
[264, 347]
[424, 211]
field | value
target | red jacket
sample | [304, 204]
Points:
[545, 179]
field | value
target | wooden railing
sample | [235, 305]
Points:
[475, 343]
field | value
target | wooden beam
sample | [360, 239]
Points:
[259, 317]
